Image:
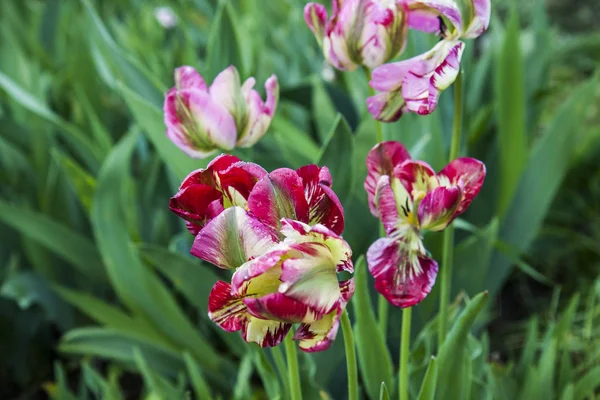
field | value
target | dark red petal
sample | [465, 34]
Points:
[193, 204]
[381, 160]
[206, 175]
[278, 195]
[241, 177]
[468, 172]
[279, 307]
[389, 265]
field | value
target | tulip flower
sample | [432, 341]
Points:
[415, 84]
[410, 198]
[277, 284]
[205, 193]
[359, 32]
[304, 195]
[201, 120]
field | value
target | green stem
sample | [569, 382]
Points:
[293, 371]
[281, 369]
[378, 125]
[448, 249]
[350, 357]
[382, 313]
[404, 353]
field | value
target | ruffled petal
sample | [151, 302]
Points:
[417, 177]
[264, 332]
[438, 208]
[232, 238]
[224, 309]
[381, 160]
[195, 205]
[467, 172]
[206, 176]
[187, 77]
[324, 207]
[480, 18]
[424, 15]
[259, 114]
[279, 307]
[315, 16]
[278, 195]
[318, 335]
[403, 277]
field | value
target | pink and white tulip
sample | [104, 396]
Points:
[414, 85]
[409, 198]
[202, 120]
[359, 32]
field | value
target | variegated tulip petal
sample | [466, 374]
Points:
[387, 106]
[193, 205]
[467, 172]
[278, 195]
[438, 207]
[389, 77]
[437, 70]
[279, 307]
[480, 18]
[381, 160]
[260, 275]
[299, 232]
[224, 309]
[417, 177]
[237, 181]
[318, 335]
[384, 32]
[187, 77]
[265, 333]
[232, 238]
[324, 207]
[206, 176]
[310, 276]
[424, 15]
[403, 277]
[260, 113]
[226, 90]
[386, 204]
[315, 15]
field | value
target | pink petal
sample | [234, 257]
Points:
[224, 309]
[206, 175]
[259, 114]
[387, 106]
[470, 174]
[396, 276]
[389, 77]
[386, 204]
[232, 238]
[187, 77]
[315, 16]
[318, 335]
[278, 195]
[416, 176]
[324, 207]
[481, 11]
[438, 208]
[226, 91]
[424, 15]
[381, 160]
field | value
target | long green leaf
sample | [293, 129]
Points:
[429, 384]
[373, 356]
[71, 246]
[200, 386]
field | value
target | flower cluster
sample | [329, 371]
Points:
[415, 84]
[410, 198]
[280, 234]
[202, 120]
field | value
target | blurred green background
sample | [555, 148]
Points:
[98, 295]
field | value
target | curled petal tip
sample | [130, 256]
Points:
[187, 77]
[315, 16]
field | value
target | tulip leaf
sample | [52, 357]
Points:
[69, 245]
[150, 119]
[242, 387]
[383, 392]
[588, 384]
[224, 45]
[297, 147]
[267, 373]
[340, 141]
[429, 383]
[201, 388]
[510, 100]
[546, 169]
[135, 285]
[72, 134]
[373, 356]
[81, 181]
[451, 357]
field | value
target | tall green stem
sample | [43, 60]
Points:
[404, 353]
[448, 249]
[350, 357]
[293, 371]
[281, 369]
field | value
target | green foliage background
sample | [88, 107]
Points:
[98, 289]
